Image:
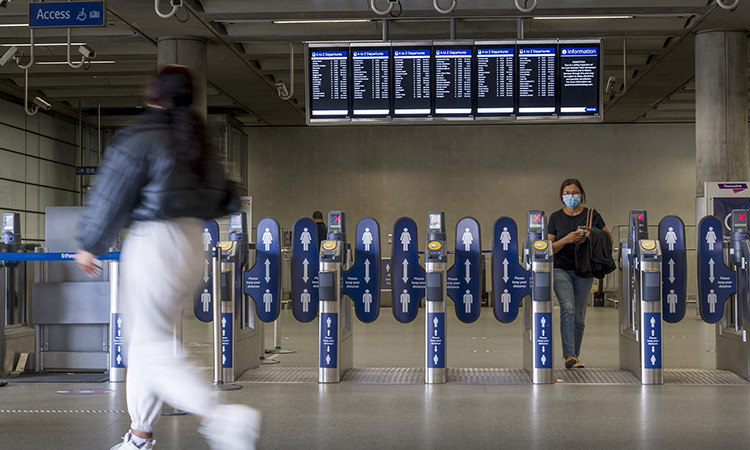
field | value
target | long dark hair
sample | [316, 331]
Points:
[172, 92]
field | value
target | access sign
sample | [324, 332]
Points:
[465, 276]
[408, 277]
[67, 14]
[263, 282]
[362, 281]
[674, 268]
[511, 281]
[716, 282]
[305, 280]
[204, 299]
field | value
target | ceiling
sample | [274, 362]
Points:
[248, 52]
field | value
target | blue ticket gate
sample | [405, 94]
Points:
[724, 290]
[641, 313]
[336, 341]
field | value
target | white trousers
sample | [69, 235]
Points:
[161, 268]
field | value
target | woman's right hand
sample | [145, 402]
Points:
[573, 237]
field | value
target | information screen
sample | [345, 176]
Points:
[453, 78]
[329, 82]
[412, 82]
[495, 80]
[536, 80]
[371, 82]
[579, 79]
[235, 222]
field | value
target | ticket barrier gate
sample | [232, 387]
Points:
[537, 344]
[732, 348]
[236, 328]
[336, 310]
[641, 313]
[436, 269]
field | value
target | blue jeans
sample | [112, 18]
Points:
[573, 294]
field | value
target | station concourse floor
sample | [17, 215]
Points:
[352, 415]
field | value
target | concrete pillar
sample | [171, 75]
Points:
[721, 136]
[188, 51]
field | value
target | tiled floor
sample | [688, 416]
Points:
[415, 416]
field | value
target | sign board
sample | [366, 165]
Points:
[263, 282]
[543, 340]
[408, 277]
[386, 280]
[329, 330]
[81, 170]
[464, 278]
[305, 281]
[204, 299]
[227, 340]
[67, 14]
[117, 352]
[674, 268]
[652, 341]
[362, 280]
[436, 342]
[722, 198]
[716, 282]
[510, 281]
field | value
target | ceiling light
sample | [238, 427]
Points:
[14, 25]
[62, 44]
[581, 17]
[324, 21]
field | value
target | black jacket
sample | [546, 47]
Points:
[594, 255]
[141, 179]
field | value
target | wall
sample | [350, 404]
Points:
[484, 171]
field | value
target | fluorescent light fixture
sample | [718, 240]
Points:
[13, 25]
[54, 44]
[323, 21]
[64, 63]
[581, 17]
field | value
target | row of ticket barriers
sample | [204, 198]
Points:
[337, 280]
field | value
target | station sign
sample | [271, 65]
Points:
[510, 281]
[305, 281]
[716, 282]
[204, 298]
[84, 170]
[408, 277]
[464, 278]
[362, 280]
[67, 14]
[674, 268]
[263, 282]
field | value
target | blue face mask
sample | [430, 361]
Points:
[571, 201]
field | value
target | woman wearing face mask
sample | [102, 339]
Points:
[566, 227]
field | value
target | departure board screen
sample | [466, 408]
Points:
[495, 80]
[371, 82]
[537, 80]
[453, 79]
[329, 82]
[579, 79]
[412, 82]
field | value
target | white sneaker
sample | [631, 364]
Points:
[128, 444]
[232, 427]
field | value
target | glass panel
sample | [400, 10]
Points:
[15, 293]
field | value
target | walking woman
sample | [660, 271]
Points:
[567, 227]
[162, 178]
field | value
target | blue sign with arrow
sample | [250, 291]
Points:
[305, 281]
[716, 282]
[362, 280]
[674, 268]
[464, 278]
[263, 282]
[329, 330]
[204, 299]
[543, 340]
[436, 343]
[67, 14]
[510, 281]
[408, 277]
[652, 341]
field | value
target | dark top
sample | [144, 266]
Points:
[142, 179]
[560, 225]
[322, 232]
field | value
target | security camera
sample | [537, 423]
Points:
[611, 82]
[281, 89]
[4, 3]
[40, 102]
[87, 52]
[9, 55]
